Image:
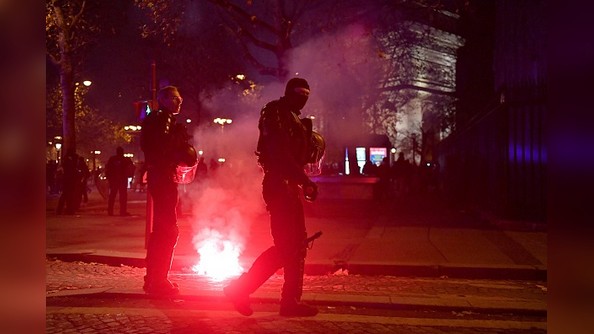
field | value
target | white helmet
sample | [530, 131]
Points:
[185, 170]
[315, 154]
[316, 148]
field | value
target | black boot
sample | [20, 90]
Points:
[293, 289]
[239, 298]
[159, 257]
[160, 287]
[293, 308]
[239, 290]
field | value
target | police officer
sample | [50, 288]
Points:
[158, 140]
[283, 153]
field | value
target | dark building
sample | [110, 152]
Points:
[495, 160]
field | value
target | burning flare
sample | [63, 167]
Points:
[219, 256]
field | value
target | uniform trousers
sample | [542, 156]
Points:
[165, 232]
[287, 224]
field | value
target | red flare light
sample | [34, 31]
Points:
[219, 256]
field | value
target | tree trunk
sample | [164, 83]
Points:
[68, 104]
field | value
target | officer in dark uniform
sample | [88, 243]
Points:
[283, 153]
[117, 171]
[158, 139]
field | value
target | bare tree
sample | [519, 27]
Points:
[264, 26]
[93, 130]
[193, 46]
[72, 28]
[415, 39]
[68, 30]
[164, 18]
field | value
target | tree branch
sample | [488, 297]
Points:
[241, 12]
[79, 14]
[256, 41]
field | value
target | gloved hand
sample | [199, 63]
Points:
[310, 191]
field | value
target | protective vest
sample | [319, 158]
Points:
[166, 146]
[286, 143]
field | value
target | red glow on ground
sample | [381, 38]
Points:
[219, 256]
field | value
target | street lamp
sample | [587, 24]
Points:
[58, 147]
[222, 121]
[132, 128]
[392, 155]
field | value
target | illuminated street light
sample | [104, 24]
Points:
[188, 121]
[222, 121]
[58, 147]
[132, 128]
[87, 83]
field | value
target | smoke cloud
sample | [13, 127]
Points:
[340, 69]
[228, 200]
[343, 69]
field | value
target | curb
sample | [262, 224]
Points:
[528, 273]
[319, 300]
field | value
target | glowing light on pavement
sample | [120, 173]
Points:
[219, 256]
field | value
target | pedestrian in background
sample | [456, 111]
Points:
[117, 171]
[282, 150]
[139, 178]
[70, 181]
[83, 174]
[384, 173]
[51, 169]
[401, 172]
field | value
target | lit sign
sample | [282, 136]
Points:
[377, 154]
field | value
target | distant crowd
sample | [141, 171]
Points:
[69, 179]
[402, 177]
[72, 180]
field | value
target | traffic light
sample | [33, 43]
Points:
[141, 109]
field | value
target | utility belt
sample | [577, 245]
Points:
[276, 177]
[161, 167]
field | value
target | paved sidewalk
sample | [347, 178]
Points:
[416, 237]
[337, 289]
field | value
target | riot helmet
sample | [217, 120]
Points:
[186, 163]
